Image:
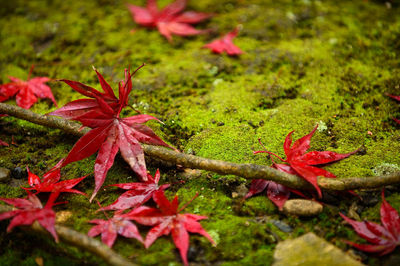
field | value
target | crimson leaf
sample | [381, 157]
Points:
[167, 220]
[385, 237]
[170, 20]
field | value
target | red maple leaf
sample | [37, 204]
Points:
[109, 229]
[225, 44]
[397, 98]
[30, 210]
[385, 237]
[170, 20]
[50, 182]
[167, 220]
[110, 132]
[75, 109]
[277, 193]
[27, 91]
[304, 163]
[137, 194]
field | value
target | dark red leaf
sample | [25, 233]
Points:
[30, 210]
[384, 238]
[169, 20]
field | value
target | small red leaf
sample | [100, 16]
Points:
[26, 92]
[137, 194]
[302, 163]
[225, 44]
[30, 210]
[109, 229]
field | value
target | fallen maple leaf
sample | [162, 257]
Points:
[50, 182]
[30, 210]
[110, 132]
[170, 20]
[167, 220]
[225, 44]
[397, 98]
[385, 237]
[27, 91]
[277, 193]
[109, 229]
[304, 163]
[137, 194]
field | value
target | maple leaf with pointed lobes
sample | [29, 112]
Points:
[170, 20]
[50, 182]
[167, 220]
[110, 132]
[137, 194]
[277, 193]
[27, 91]
[384, 238]
[30, 210]
[397, 98]
[109, 229]
[304, 164]
[225, 44]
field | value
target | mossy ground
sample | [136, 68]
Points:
[305, 62]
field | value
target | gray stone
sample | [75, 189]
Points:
[310, 249]
[302, 207]
[5, 174]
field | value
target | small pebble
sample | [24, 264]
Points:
[4, 174]
[18, 173]
[302, 207]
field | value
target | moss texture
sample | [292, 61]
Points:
[305, 62]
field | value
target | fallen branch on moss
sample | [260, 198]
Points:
[247, 171]
[79, 240]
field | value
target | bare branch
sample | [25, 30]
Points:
[247, 171]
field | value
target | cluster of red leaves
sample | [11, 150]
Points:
[166, 219]
[110, 132]
[384, 238]
[225, 44]
[27, 91]
[298, 163]
[397, 98]
[170, 20]
[30, 210]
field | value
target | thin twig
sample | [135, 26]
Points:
[79, 240]
[247, 171]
